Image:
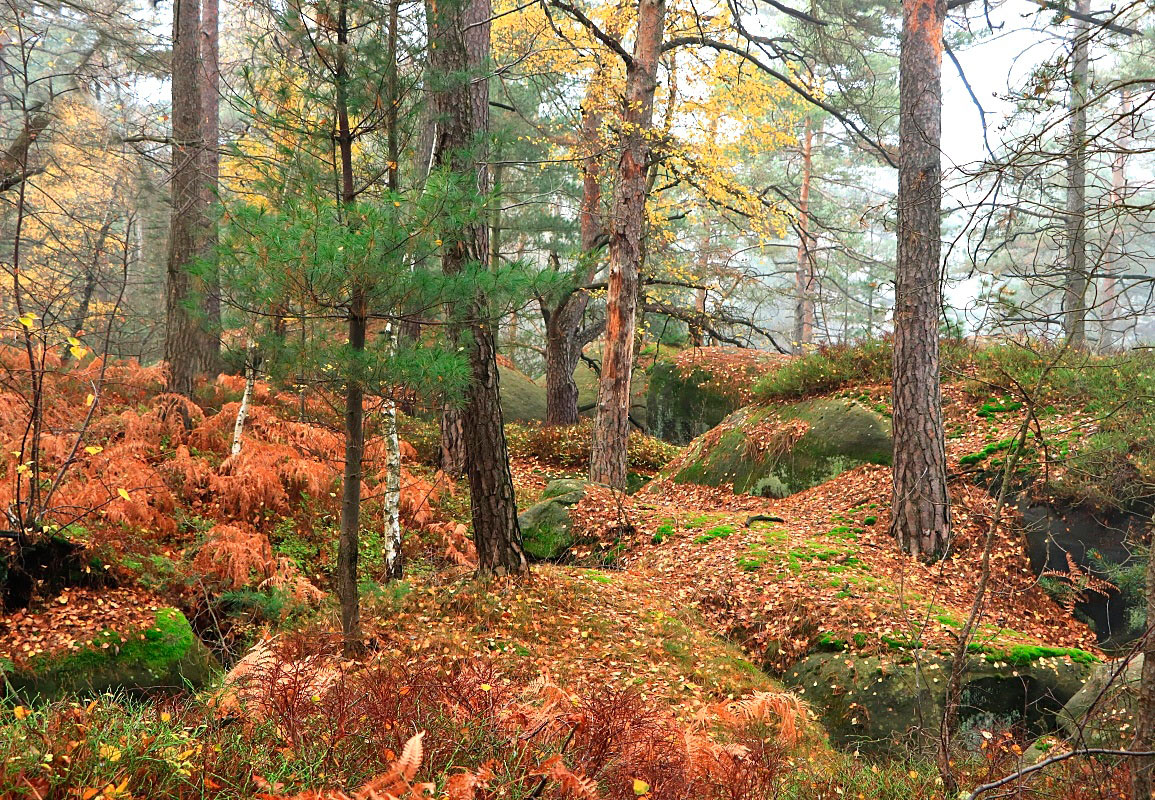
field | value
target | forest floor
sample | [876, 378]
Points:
[688, 596]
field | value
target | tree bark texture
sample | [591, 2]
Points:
[920, 514]
[1076, 278]
[186, 347]
[210, 172]
[459, 37]
[612, 424]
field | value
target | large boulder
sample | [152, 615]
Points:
[682, 405]
[546, 527]
[775, 451]
[167, 656]
[1102, 713]
[889, 703]
[522, 400]
[1102, 544]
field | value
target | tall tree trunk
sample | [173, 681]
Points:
[394, 564]
[564, 335]
[1143, 769]
[612, 424]
[185, 344]
[1075, 281]
[459, 49]
[804, 272]
[1113, 252]
[357, 321]
[562, 351]
[920, 514]
[210, 174]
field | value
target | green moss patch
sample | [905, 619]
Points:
[167, 655]
[839, 435]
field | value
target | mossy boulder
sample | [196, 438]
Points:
[680, 405]
[775, 451]
[889, 703]
[167, 656]
[587, 385]
[522, 400]
[546, 526]
[1103, 710]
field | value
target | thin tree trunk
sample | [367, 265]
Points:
[246, 397]
[394, 565]
[612, 424]
[1076, 279]
[1143, 769]
[1113, 252]
[184, 346]
[920, 514]
[804, 273]
[348, 544]
[459, 39]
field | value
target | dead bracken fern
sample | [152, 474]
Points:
[1078, 582]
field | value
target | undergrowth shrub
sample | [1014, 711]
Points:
[569, 446]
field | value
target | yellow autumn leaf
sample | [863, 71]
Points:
[78, 352]
[93, 449]
[21, 712]
[641, 787]
[72, 340]
[28, 319]
[90, 399]
[110, 752]
[485, 687]
[124, 493]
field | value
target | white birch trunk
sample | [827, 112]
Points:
[246, 398]
[393, 567]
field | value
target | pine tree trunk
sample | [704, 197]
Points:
[804, 272]
[184, 347]
[1076, 279]
[1143, 769]
[920, 514]
[452, 458]
[459, 39]
[210, 175]
[612, 424]
[348, 545]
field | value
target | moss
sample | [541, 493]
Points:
[1022, 654]
[168, 654]
[720, 532]
[992, 407]
[664, 531]
[840, 435]
[988, 451]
